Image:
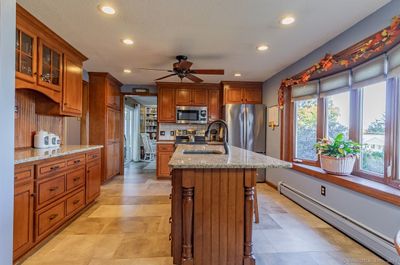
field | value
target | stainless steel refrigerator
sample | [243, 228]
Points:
[246, 126]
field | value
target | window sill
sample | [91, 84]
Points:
[367, 187]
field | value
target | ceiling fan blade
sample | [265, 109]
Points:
[184, 65]
[208, 71]
[165, 77]
[152, 69]
[194, 78]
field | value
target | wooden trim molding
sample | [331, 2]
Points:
[361, 185]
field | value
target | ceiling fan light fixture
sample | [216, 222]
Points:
[237, 74]
[262, 47]
[106, 9]
[127, 41]
[287, 20]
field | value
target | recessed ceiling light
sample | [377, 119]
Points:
[262, 48]
[287, 20]
[127, 41]
[107, 9]
[127, 71]
[237, 74]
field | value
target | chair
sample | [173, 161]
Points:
[149, 151]
[397, 242]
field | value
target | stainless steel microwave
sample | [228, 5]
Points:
[190, 114]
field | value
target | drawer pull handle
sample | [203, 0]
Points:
[170, 237]
[94, 156]
[53, 189]
[77, 161]
[170, 220]
[76, 202]
[170, 196]
[54, 168]
[53, 216]
[76, 179]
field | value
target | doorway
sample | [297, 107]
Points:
[140, 131]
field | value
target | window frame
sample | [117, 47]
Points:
[392, 104]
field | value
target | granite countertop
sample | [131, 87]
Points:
[32, 154]
[237, 158]
[165, 142]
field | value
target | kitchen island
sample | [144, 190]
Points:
[212, 204]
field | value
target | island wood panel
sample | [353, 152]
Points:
[221, 220]
[27, 122]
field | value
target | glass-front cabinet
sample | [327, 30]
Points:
[25, 55]
[50, 66]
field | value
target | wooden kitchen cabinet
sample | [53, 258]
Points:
[183, 96]
[214, 104]
[166, 104]
[49, 66]
[164, 154]
[105, 126]
[199, 96]
[72, 94]
[46, 63]
[93, 180]
[23, 210]
[113, 94]
[242, 92]
[25, 57]
[191, 96]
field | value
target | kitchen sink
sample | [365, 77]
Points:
[202, 152]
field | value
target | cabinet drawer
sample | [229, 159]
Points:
[48, 168]
[93, 155]
[49, 218]
[75, 202]
[51, 189]
[76, 161]
[75, 178]
[165, 147]
[23, 173]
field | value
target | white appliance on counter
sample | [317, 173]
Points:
[44, 139]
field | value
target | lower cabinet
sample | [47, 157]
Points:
[23, 210]
[49, 192]
[93, 180]
[112, 160]
[164, 154]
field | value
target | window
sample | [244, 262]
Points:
[305, 129]
[338, 115]
[373, 109]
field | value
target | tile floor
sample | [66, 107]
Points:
[129, 226]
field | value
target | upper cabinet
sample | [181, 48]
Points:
[191, 96]
[172, 94]
[242, 92]
[113, 93]
[166, 107]
[214, 104]
[49, 66]
[25, 56]
[46, 63]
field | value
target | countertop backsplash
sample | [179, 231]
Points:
[169, 130]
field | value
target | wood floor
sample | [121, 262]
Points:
[129, 226]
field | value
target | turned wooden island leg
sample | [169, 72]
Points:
[249, 186]
[187, 218]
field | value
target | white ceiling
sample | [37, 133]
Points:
[212, 33]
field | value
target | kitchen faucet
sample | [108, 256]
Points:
[225, 139]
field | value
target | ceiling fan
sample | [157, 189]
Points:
[182, 69]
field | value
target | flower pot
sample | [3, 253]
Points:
[342, 166]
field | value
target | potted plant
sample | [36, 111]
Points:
[338, 155]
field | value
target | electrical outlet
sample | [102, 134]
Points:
[162, 133]
[323, 191]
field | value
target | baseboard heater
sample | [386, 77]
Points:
[368, 237]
